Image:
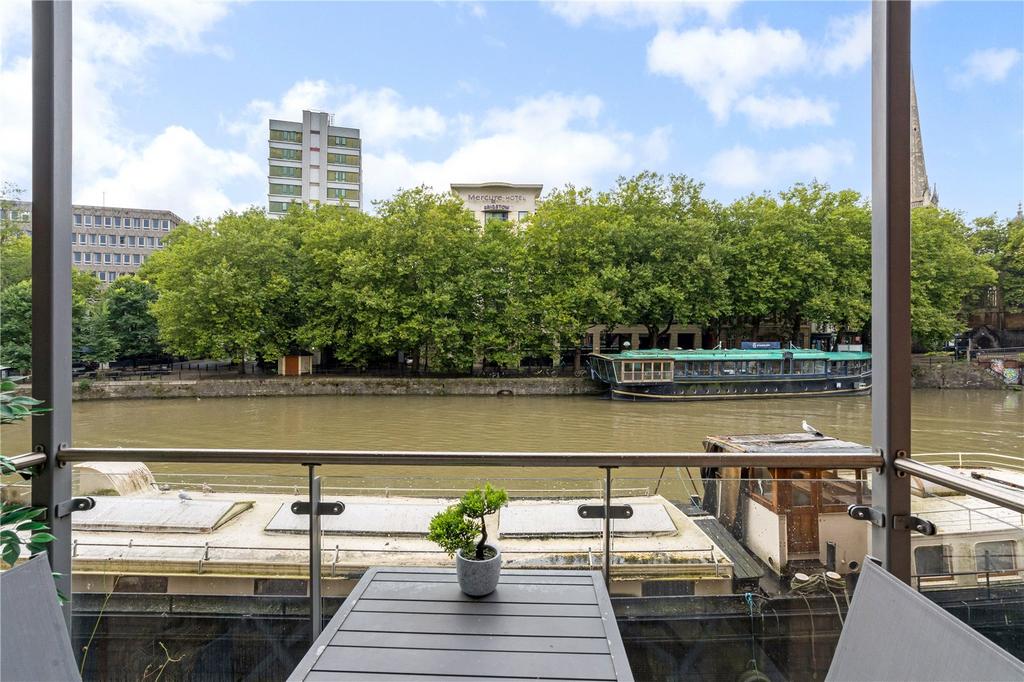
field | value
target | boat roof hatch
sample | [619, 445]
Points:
[155, 515]
[781, 442]
[541, 519]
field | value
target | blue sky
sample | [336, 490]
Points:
[171, 99]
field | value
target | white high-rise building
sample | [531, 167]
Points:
[314, 162]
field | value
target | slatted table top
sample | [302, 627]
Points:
[416, 625]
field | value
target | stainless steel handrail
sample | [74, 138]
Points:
[990, 492]
[27, 460]
[804, 460]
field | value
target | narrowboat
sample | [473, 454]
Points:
[726, 374]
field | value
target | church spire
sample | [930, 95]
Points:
[921, 193]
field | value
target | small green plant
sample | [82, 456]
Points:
[15, 517]
[84, 385]
[458, 526]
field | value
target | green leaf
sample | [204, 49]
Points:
[31, 525]
[40, 538]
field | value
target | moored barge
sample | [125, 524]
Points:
[726, 374]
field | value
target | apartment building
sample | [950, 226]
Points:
[109, 241]
[313, 161]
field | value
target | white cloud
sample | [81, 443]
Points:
[640, 12]
[552, 139]
[383, 119]
[847, 45]
[747, 168]
[988, 66]
[721, 65]
[178, 164]
[113, 44]
[785, 112]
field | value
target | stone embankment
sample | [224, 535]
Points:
[932, 372]
[301, 386]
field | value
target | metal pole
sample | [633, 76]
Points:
[890, 276]
[315, 605]
[607, 525]
[51, 271]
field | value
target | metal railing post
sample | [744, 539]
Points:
[315, 604]
[890, 278]
[607, 529]
[51, 272]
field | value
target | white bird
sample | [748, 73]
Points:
[810, 429]
[184, 496]
[207, 488]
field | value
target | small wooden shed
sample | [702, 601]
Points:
[295, 364]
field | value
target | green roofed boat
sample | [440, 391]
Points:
[727, 374]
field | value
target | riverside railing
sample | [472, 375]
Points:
[607, 462]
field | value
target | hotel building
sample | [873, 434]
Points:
[313, 161]
[499, 200]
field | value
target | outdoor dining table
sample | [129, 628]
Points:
[416, 624]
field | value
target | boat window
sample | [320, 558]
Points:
[997, 556]
[703, 368]
[819, 366]
[771, 367]
[933, 561]
[762, 487]
[728, 368]
[749, 367]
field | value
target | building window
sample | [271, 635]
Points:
[523, 215]
[88, 220]
[167, 226]
[117, 259]
[74, 238]
[108, 221]
[81, 238]
[117, 221]
[150, 242]
[103, 240]
[92, 238]
[932, 560]
[285, 172]
[345, 159]
[341, 193]
[102, 275]
[106, 258]
[342, 176]
[285, 135]
[339, 141]
[98, 220]
[287, 154]
[997, 556]
[279, 206]
[289, 190]
[136, 258]
[78, 256]
[78, 219]
[111, 276]
[88, 257]
[97, 257]
[131, 240]
[495, 215]
[159, 243]
[145, 223]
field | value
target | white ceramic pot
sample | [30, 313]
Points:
[478, 578]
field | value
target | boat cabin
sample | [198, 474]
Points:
[791, 519]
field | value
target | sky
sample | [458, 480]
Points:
[171, 99]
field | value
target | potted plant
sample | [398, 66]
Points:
[477, 564]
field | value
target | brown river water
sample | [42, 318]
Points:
[943, 421]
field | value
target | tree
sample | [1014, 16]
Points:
[97, 342]
[945, 270]
[15, 245]
[131, 323]
[16, 318]
[16, 326]
[663, 243]
[571, 273]
[227, 288]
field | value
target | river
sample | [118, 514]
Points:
[952, 420]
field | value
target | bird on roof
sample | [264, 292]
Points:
[207, 488]
[811, 430]
[184, 496]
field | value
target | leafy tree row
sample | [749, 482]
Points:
[422, 278]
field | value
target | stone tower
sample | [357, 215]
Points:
[921, 193]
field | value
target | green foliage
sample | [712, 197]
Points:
[131, 324]
[945, 270]
[227, 289]
[15, 245]
[16, 326]
[458, 526]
